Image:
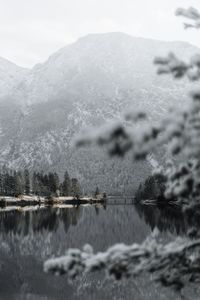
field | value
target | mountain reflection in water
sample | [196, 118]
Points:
[28, 238]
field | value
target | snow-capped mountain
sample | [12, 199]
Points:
[84, 84]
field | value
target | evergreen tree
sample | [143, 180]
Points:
[53, 182]
[97, 192]
[66, 185]
[1, 184]
[56, 182]
[27, 182]
[9, 185]
[18, 184]
[75, 187]
[14, 183]
[36, 183]
[45, 185]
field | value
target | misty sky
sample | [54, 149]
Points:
[31, 30]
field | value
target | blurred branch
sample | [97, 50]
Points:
[190, 13]
[175, 264]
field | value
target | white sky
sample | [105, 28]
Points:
[31, 30]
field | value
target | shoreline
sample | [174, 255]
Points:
[36, 200]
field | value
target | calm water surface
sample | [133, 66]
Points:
[28, 238]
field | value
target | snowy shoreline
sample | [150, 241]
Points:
[35, 200]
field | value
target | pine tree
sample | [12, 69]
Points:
[53, 182]
[9, 185]
[97, 192]
[66, 185]
[75, 187]
[56, 182]
[27, 181]
[36, 185]
[1, 184]
[18, 184]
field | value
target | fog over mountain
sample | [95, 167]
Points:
[83, 84]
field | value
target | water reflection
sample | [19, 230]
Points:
[168, 218]
[28, 238]
[37, 219]
[47, 218]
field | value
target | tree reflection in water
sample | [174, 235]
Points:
[22, 222]
[168, 218]
[28, 238]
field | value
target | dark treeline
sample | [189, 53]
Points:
[15, 183]
[153, 188]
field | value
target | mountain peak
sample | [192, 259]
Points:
[121, 36]
[4, 62]
[109, 35]
[10, 76]
[86, 83]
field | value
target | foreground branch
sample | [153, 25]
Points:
[174, 264]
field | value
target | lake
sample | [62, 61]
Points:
[30, 237]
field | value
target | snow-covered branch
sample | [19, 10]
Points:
[174, 264]
[178, 68]
[192, 14]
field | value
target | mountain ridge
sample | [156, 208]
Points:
[107, 34]
[87, 83]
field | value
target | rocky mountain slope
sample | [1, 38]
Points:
[85, 84]
[10, 76]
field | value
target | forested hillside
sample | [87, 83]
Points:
[86, 84]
